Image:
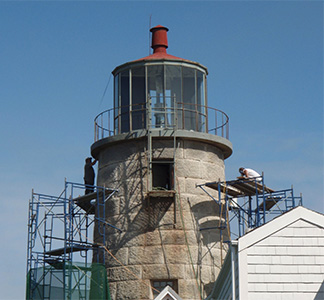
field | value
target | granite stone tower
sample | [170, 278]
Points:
[154, 146]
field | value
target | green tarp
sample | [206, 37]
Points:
[68, 282]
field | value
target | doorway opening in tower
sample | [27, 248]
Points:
[163, 175]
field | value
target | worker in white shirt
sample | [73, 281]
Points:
[249, 173]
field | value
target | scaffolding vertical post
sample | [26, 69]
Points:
[264, 201]
[65, 243]
[240, 223]
[292, 196]
[220, 218]
[250, 212]
[257, 212]
[174, 186]
[149, 141]
[175, 121]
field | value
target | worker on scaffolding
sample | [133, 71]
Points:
[89, 175]
[249, 173]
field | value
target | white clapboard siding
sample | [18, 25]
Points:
[284, 259]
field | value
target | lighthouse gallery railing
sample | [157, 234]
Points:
[192, 117]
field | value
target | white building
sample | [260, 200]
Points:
[168, 294]
[283, 259]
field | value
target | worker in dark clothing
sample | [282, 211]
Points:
[89, 175]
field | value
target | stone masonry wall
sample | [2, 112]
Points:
[156, 235]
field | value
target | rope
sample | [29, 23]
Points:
[227, 223]
[129, 271]
[221, 236]
[85, 274]
[105, 90]
[227, 216]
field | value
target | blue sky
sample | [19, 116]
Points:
[265, 63]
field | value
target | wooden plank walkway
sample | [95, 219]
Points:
[245, 187]
[85, 201]
[74, 248]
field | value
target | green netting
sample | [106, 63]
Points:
[68, 281]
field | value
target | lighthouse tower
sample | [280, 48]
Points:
[155, 145]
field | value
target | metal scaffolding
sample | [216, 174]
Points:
[248, 203]
[61, 252]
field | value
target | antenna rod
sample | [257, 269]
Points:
[150, 25]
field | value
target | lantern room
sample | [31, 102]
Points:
[160, 91]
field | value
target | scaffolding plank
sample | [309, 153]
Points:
[231, 191]
[213, 185]
[69, 249]
[260, 187]
[85, 201]
[269, 203]
[245, 188]
[59, 264]
[240, 187]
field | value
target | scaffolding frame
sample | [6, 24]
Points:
[248, 203]
[60, 233]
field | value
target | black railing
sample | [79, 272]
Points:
[184, 116]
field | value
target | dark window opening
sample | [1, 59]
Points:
[159, 285]
[162, 175]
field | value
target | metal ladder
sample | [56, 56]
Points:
[48, 235]
[32, 225]
[32, 235]
[163, 109]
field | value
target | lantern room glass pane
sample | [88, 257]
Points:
[138, 98]
[124, 94]
[189, 99]
[155, 76]
[116, 104]
[201, 102]
[172, 91]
